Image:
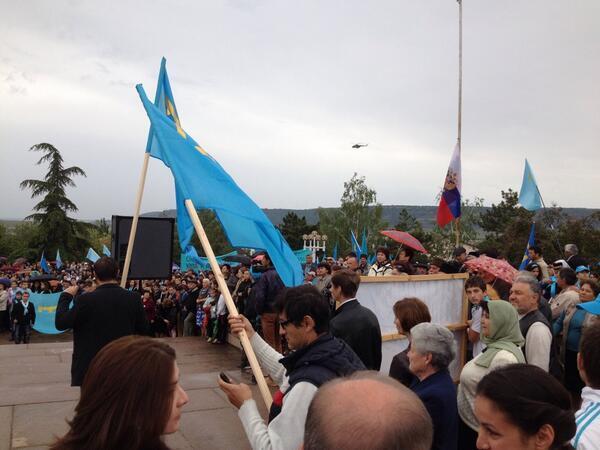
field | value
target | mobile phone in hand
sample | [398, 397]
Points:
[223, 376]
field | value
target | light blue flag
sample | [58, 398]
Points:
[355, 245]
[58, 261]
[191, 260]
[92, 255]
[364, 249]
[529, 195]
[44, 264]
[202, 180]
[45, 312]
[530, 243]
[335, 252]
[105, 250]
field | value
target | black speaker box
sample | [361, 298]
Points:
[152, 249]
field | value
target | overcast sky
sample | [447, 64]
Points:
[278, 91]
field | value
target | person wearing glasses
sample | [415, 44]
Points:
[315, 357]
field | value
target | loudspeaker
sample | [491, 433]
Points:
[152, 250]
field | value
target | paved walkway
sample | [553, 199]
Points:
[36, 397]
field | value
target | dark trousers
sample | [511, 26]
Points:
[22, 333]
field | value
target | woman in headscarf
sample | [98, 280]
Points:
[501, 334]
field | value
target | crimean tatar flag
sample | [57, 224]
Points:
[202, 180]
[449, 207]
[529, 195]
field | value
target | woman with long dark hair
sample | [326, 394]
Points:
[522, 407]
[130, 397]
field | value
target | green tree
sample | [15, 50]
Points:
[293, 227]
[359, 211]
[56, 229]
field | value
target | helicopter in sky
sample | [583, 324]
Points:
[359, 145]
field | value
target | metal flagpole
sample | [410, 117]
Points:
[214, 265]
[134, 222]
[457, 228]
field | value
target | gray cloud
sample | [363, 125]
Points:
[279, 91]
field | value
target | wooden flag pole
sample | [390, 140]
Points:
[214, 265]
[134, 222]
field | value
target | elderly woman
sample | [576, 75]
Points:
[501, 334]
[571, 323]
[408, 312]
[432, 349]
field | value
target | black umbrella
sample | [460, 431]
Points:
[242, 259]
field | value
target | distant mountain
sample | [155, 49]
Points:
[424, 214]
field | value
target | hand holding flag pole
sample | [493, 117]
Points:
[214, 265]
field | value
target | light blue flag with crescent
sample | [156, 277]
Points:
[45, 312]
[529, 195]
[105, 250]
[92, 255]
[58, 261]
[44, 264]
[202, 180]
[530, 243]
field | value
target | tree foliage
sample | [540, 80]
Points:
[359, 211]
[56, 230]
[293, 227]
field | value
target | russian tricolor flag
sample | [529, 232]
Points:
[449, 208]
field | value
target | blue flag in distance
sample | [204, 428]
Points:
[105, 250]
[530, 243]
[58, 262]
[529, 195]
[92, 255]
[44, 264]
[202, 180]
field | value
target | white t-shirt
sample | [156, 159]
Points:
[476, 326]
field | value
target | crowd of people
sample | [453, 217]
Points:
[531, 377]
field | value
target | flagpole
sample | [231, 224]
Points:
[256, 370]
[134, 222]
[459, 131]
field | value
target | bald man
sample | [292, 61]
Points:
[367, 410]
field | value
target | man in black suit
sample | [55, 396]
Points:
[354, 323]
[99, 317]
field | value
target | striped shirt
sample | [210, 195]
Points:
[587, 418]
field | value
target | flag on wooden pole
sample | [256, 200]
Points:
[202, 180]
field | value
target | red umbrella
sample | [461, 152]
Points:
[496, 267]
[404, 238]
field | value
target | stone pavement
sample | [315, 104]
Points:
[36, 397]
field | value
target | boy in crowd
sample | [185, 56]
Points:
[475, 288]
[23, 319]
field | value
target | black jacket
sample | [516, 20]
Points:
[18, 314]
[266, 290]
[324, 359]
[98, 318]
[359, 328]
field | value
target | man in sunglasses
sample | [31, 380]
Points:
[315, 358]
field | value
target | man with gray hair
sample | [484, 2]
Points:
[535, 327]
[572, 256]
[367, 410]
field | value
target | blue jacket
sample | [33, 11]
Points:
[438, 394]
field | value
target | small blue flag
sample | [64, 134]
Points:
[529, 195]
[58, 262]
[530, 243]
[44, 264]
[105, 250]
[92, 255]
[364, 249]
[335, 252]
[202, 180]
[355, 245]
